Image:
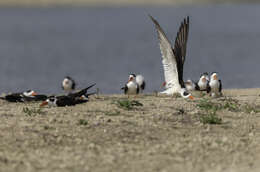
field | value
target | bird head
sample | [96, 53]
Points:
[29, 93]
[185, 94]
[214, 76]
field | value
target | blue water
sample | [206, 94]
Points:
[39, 46]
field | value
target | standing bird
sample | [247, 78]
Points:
[25, 96]
[70, 99]
[140, 81]
[203, 83]
[215, 85]
[190, 85]
[173, 59]
[68, 84]
[131, 87]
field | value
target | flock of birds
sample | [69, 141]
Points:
[173, 58]
[71, 98]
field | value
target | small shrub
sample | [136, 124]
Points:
[249, 108]
[207, 105]
[210, 118]
[33, 111]
[83, 122]
[233, 107]
[128, 104]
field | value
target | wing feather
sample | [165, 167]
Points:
[182, 39]
[180, 47]
[168, 59]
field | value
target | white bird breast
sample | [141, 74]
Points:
[132, 87]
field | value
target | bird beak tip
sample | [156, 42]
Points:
[43, 103]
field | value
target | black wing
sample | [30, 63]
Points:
[180, 47]
[143, 85]
[125, 88]
[137, 89]
[208, 88]
[73, 84]
[82, 92]
[15, 97]
[197, 86]
[220, 86]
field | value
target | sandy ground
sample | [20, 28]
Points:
[165, 134]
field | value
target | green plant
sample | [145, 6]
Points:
[249, 108]
[33, 111]
[210, 118]
[233, 107]
[127, 104]
[207, 105]
[83, 122]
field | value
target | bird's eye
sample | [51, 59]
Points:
[185, 93]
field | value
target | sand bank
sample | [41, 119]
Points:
[158, 134]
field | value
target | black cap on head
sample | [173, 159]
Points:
[204, 74]
[214, 72]
[68, 77]
[133, 75]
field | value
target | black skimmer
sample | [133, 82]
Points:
[215, 85]
[26, 96]
[141, 82]
[131, 87]
[203, 83]
[68, 84]
[70, 99]
[190, 85]
[173, 59]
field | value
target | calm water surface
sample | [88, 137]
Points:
[38, 47]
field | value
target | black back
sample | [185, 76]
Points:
[220, 86]
[15, 97]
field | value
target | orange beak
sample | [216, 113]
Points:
[191, 97]
[34, 94]
[43, 103]
[204, 79]
[215, 77]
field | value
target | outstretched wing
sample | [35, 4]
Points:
[81, 92]
[168, 59]
[180, 47]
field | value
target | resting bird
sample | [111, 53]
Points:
[190, 85]
[70, 99]
[173, 59]
[203, 83]
[26, 96]
[215, 85]
[68, 84]
[131, 87]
